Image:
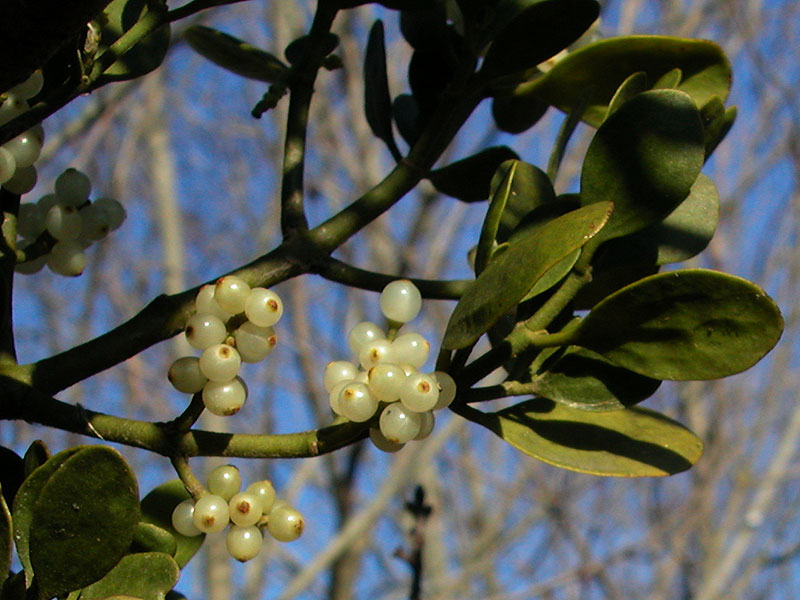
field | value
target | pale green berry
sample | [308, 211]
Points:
[374, 353]
[64, 222]
[333, 396]
[67, 258]
[185, 375]
[12, 107]
[29, 267]
[30, 222]
[244, 542]
[23, 181]
[400, 301]
[205, 303]
[336, 371]
[265, 491]
[263, 307]
[386, 381]
[225, 398]
[245, 508]
[211, 514]
[447, 390]
[205, 330]
[363, 333]
[231, 293]
[381, 443]
[30, 87]
[115, 212]
[357, 403]
[411, 348]
[285, 523]
[225, 481]
[26, 148]
[254, 343]
[427, 421]
[220, 362]
[399, 424]
[182, 519]
[8, 165]
[95, 223]
[420, 392]
[73, 187]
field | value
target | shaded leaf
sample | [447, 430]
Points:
[25, 501]
[424, 29]
[148, 576]
[152, 538]
[515, 114]
[6, 538]
[553, 275]
[497, 205]
[511, 275]
[468, 179]
[610, 276]
[157, 507]
[585, 380]
[717, 122]
[669, 80]
[12, 474]
[35, 456]
[429, 73]
[377, 101]
[235, 55]
[296, 50]
[536, 33]
[147, 54]
[632, 442]
[684, 325]
[530, 189]
[83, 520]
[631, 87]
[406, 115]
[644, 158]
[597, 70]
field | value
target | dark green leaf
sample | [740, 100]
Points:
[121, 16]
[610, 275]
[83, 520]
[429, 73]
[553, 275]
[497, 205]
[598, 69]
[12, 474]
[234, 54]
[509, 277]
[424, 29]
[25, 501]
[583, 379]
[516, 114]
[377, 101]
[632, 442]
[537, 33]
[530, 189]
[631, 87]
[296, 50]
[6, 539]
[717, 122]
[35, 456]
[669, 80]
[644, 158]
[406, 115]
[690, 324]
[157, 507]
[468, 179]
[152, 538]
[148, 576]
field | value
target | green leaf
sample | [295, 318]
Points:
[297, 49]
[83, 520]
[152, 538]
[669, 80]
[585, 380]
[35, 456]
[25, 501]
[553, 275]
[157, 507]
[148, 576]
[6, 539]
[644, 158]
[405, 113]
[631, 87]
[497, 205]
[632, 442]
[717, 122]
[536, 33]
[377, 101]
[12, 474]
[235, 55]
[598, 69]
[530, 189]
[509, 277]
[148, 53]
[515, 114]
[468, 179]
[684, 325]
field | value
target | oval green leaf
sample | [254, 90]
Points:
[584, 380]
[148, 575]
[598, 69]
[377, 101]
[147, 54]
[631, 87]
[497, 204]
[83, 520]
[157, 507]
[468, 179]
[633, 442]
[35, 456]
[507, 279]
[530, 189]
[12, 474]
[644, 158]
[515, 114]
[536, 33]
[693, 324]
[152, 538]
[234, 55]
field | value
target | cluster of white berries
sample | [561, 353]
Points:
[17, 173]
[233, 324]
[389, 382]
[74, 222]
[249, 513]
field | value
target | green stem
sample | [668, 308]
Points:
[9, 208]
[194, 7]
[187, 476]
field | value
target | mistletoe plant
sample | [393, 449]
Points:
[567, 288]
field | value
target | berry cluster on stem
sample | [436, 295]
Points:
[17, 173]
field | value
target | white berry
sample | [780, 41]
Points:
[381, 443]
[244, 542]
[363, 333]
[357, 403]
[386, 381]
[211, 514]
[399, 424]
[376, 352]
[67, 258]
[185, 375]
[285, 523]
[205, 330]
[263, 307]
[336, 371]
[265, 491]
[245, 508]
[400, 301]
[411, 348]
[73, 187]
[420, 392]
[220, 362]
[254, 343]
[205, 303]
[225, 398]
[225, 481]
[231, 293]
[447, 390]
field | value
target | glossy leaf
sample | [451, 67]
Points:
[644, 158]
[25, 501]
[157, 507]
[468, 179]
[632, 442]
[152, 538]
[121, 16]
[597, 70]
[536, 33]
[510, 276]
[684, 325]
[148, 575]
[234, 55]
[6, 539]
[83, 520]
[530, 189]
[631, 87]
[585, 380]
[12, 474]
[377, 101]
